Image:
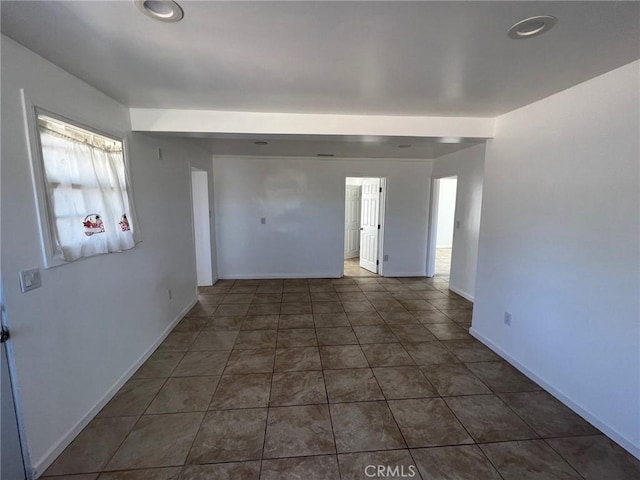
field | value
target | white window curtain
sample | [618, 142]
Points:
[90, 210]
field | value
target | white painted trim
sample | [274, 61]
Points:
[625, 443]
[216, 121]
[462, 293]
[50, 455]
[432, 227]
[269, 276]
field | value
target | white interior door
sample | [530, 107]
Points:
[369, 224]
[352, 221]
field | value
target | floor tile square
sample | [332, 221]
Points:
[502, 377]
[488, 419]
[260, 322]
[399, 316]
[298, 388]
[297, 358]
[546, 415]
[224, 323]
[242, 391]
[452, 379]
[336, 336]
[200, 364]
[330, 320]
[184, 394]
[327, 307]
[237, 298]
[375, 334]
[427, 353]
[229, 436]
[351, 385]
[191, 324]
[297, 337]
[296, 321]
[296, 297]
[294, 308]
[214, 340]
[448, 331]
[304, 468]
[267, 297]
[232, 310]
[343, 356]
[357, 319]
[596, 457]
[528, 460]
[352, 297]
[404, 382]
[460, 463]
[365, 426]
[386, 355]
[157, 441]
[412, 333]
[133, 398]
[250, 361]
[298, 431]
[361, 466]
[93, 447]
[428, 422]
[256, 339]
[324, 296]
[431, 316]
[264, 309]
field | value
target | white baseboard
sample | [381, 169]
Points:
[462, 293]
[270, 276]
[49, 457]
[621, 440]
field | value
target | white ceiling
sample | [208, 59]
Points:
[394, 58]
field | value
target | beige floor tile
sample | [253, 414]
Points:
[168, 473]
[133, 398]
[250, 361]
[362, 466]
[307, 468]
[222, 471]
[404, 382]
[242, 391]
[460, 463]
[451, 379]
[184, 394]
[297, 358]
[351, 385]
[202, 363]
[298, 388]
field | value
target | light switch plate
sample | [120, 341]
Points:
[263, 220]
[30, 280]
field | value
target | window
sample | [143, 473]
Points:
[84, 193]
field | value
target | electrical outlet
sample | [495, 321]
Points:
[30, 280]
[385, 258]
[170, 294]
[457, 223]
[507, 319]
[263, 220]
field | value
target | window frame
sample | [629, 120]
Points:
[44, 210]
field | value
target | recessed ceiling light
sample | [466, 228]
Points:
[163, 10]
[532, 27]
[261, 143]
[404, 146]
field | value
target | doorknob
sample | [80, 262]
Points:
[361, 228]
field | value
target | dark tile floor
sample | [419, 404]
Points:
[319, 379]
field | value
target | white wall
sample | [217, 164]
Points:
[79, 335]
[303, 201]
[468, 166]
[559, 248]
[446, 212]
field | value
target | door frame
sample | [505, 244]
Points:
[432, 239]
[192, 169]
[381, 217]
[15, 392]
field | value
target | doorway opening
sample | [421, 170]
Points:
[363, 226]
[201, 225]
[443, 227]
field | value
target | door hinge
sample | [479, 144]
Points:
[377, 262]
[380, 189]
[4, 335]
[378, 227]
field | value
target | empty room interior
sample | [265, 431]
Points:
[320, 240]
